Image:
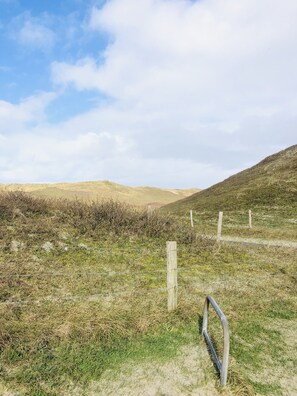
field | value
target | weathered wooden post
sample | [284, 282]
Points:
[171, 275]
[250, 218]
[220, 222]
[149, 211]
[191, 218]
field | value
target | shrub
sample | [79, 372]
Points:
[94, 219]
[17, 203]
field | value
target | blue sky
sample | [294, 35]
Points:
[33, 34]
[171, 93]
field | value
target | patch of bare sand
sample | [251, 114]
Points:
[190, 374]
[5, 392]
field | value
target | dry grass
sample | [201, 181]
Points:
[74, 327]
[270, 185]
[102, 190]
[267, 224]
[96, 219]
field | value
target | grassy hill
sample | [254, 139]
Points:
[83, 305]
[270, 183]
[103, 190]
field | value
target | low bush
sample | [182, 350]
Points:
[95, 219]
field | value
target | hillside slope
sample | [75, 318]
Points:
[272, 182]
[102, 190]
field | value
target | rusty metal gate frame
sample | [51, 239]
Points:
[222, 367]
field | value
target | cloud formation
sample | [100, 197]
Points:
[32, 32]
[193, 91]
[196, 73]
[16, 118]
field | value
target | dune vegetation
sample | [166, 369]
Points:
[83, 299]
[268, 189]
[269, 185]
[101, 191]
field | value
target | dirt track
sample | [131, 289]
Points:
[265, 242]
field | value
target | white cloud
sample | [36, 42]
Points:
[51, 147]
[93, 156]
[211, 59]
[36, 35]
[16, 117]
[198, 90]
[33, 32]
[83, 75]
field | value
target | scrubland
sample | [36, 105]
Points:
[84, 306]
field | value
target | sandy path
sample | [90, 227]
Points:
[255, 241]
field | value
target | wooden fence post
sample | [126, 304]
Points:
[220, 222]
[250, 218]
[149, 211]
[171, 275]
[191, 218]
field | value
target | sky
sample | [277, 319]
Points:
[167, 93]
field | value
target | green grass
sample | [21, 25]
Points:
[53, 343]
[282, 309]
[266, 389]
[271, 184]
[259, 342]
[82, 362]
[266, 224]
[140, 329]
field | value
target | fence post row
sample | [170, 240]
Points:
[220, 222]
[222, 367]
[171, 275]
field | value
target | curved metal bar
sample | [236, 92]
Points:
[222, 367]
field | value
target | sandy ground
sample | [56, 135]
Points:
[4, 391]
[254, 241]
[190, 373]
